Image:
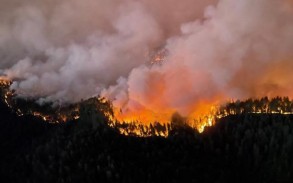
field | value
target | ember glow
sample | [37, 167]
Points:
[150, 58]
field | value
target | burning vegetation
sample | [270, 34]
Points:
[169, 71]
[96, 107]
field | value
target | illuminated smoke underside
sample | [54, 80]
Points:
[202, 53]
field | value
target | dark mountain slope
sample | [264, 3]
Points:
[239, 148]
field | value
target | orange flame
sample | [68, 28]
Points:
[202, 115]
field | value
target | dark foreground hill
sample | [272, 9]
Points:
[240, 148]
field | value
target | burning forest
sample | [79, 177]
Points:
[63, 113]
[149, 72]
[148, 66]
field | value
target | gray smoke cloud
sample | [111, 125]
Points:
[68, 50]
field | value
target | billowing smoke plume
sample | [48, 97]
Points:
[68, 50]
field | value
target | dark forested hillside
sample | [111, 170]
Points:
[247, 147]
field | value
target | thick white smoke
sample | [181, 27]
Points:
[68, 50]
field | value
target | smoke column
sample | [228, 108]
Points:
[65, 51]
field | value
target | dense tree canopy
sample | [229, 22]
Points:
[240, 148]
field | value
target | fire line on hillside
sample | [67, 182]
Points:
[134, 126]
